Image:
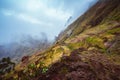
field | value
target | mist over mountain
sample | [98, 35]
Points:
[24, 33]
[32, 17]
[87, 47]
[28, 45]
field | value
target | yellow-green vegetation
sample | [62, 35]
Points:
[73, 46]
[115, 58]
[94, 42]
[32, 66]
[44, 69]
[114, 31]
[94, 39]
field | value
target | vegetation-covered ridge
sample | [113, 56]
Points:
[89, 49]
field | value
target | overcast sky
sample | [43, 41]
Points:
[33, 17]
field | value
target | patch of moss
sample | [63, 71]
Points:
[59, 50]
[103, 50]
[113, 31]
[73, 46]
[95, 41]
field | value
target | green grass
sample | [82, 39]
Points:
[73, 46]
[95, 41]
[116, 30]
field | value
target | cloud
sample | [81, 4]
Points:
[49, 16]
[38, 12]
[33, 5]
[21, 16]
[57, 14]
[7, 12]
[28, 18]
[44, 9]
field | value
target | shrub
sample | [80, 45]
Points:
[44, 69]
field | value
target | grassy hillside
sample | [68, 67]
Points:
[104, 11]
[89, 49]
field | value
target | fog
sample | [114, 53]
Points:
[27, 26]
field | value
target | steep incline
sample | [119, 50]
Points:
[89, 49]
[103, 11]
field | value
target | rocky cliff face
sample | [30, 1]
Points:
[89, 49]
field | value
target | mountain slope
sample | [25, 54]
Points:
[89, 49]
[101, 12]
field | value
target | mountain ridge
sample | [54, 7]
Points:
[92, 17]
